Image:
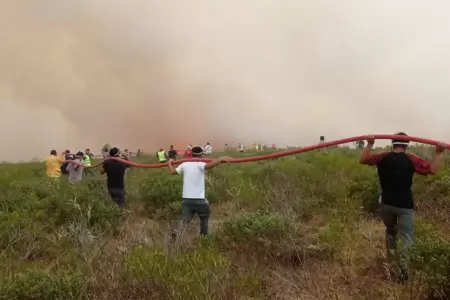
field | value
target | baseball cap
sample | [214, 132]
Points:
[400, 142]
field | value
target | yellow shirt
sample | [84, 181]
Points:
[53, 166]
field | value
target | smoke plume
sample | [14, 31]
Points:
[145, 74]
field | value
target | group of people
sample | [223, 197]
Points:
[396, 169]
[59, 165]
[173, 154]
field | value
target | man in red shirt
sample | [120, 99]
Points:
[395, 172]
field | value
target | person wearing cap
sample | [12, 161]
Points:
[161, 156]
[75, 173]
[396, 169]
[115, 172]
[193, 198]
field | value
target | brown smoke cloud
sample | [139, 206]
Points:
[144, 74]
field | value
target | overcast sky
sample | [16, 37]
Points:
[145, 74]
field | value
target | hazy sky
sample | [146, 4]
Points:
[144, 74]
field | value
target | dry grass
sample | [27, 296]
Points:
[289, 229]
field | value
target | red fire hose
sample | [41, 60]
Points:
[278, 154]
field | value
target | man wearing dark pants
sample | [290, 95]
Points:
[194, 201]
[115, 172]
[395, 171]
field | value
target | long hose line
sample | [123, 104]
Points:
[276, 154]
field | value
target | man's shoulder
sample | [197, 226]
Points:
[415, 158]
[192, 164]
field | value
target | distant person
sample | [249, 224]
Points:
[87, 161]
[359, 144]
[67, 156]
[87, 156]
[207, 150]
[161, 156]
[105, 153]
[75, 173]
[194, 200]
[115, 172]
[53, 165]
[322, 141]
[172, 153]
[188, 152]
[241, 148]
[396, 169]
[126, 154]
[139, 152]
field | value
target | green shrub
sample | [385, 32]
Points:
[40, 285]
[201, 272]
[254, 225]
[432, 258]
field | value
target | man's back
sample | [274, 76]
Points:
[395, 172]
[75, 172]
[193, 179]
[115, 170]
[53, 166]
[172, 153]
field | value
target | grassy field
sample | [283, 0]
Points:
[303, 227]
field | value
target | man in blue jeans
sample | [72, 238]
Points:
[194, 200]
[395, 171]
[115, 172]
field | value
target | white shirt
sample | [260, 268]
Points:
[193, 179]
[208, 149]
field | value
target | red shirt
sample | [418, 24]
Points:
[395, 172]
[188, 153]
[421, 166]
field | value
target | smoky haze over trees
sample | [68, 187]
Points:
[145, 74]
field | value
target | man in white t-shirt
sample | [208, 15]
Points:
[207, 149]
[194, 200]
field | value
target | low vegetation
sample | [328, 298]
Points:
[299, 227]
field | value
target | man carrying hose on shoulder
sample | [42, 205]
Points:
[194, 201]
[395, 171]
[115, 172]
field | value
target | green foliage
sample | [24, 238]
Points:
[432, 257]
[201, 272]
[264, 213]
[40, 285]
[256, 225]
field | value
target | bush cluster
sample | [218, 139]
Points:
[275, 211]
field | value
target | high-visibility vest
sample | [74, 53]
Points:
[161, 156]
[86, 160]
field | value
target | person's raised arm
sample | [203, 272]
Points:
[216, 162]
[102, 170]
[172, 170]
[437, 159]
[365, 157]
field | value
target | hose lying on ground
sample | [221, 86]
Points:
[276, 154]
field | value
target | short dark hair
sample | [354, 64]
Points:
[53, 152]
[197, 151]
[400, 143]
[114, 151]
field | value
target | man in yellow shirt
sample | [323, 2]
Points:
[53, 165]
